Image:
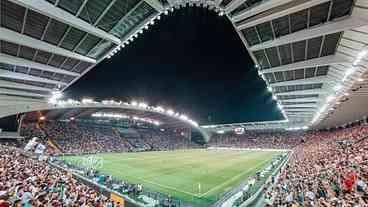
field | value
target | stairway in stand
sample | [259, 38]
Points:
[50, 141]
[125, 140]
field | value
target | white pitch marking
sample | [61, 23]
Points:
[235, 177]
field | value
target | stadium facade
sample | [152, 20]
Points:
[312, 54]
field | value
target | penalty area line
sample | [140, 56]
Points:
[172, 188]
[233, 178]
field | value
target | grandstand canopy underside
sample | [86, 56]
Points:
[87, 114]
[312, 54]
[83, 112]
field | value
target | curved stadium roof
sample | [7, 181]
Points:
[311, 53]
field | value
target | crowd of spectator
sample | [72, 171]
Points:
[160, 140]
[11, 142]
[31, 130]
[258, 139]
[326, 168]
[26, 182]
[329, 169]
[77, 138]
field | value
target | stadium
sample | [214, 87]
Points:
[302, 138]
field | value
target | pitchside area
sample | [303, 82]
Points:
[199, 176]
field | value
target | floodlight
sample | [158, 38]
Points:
[170, 112]
[160, 109]
[362, 54]
[134, 103]
[184, 117]
[56, 95]
[330, 98]
[143, 105]
[220, 132]
[87, 100]
[269, 88]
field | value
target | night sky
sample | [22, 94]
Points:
[192, 61]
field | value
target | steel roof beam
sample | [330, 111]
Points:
[321, 30]
[22, 76]
[318, 91]
[301, 105]
[12, 60]
[299, 115]
[275, 12]
[300, 110]
[313, 80]
[20, 39]
[155, 4]
[20, 93]
[47, 9]
[315, 62]
[311, 99]
[263, 6]
[14, 85]
[5, 98]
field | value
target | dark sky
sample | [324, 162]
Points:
[191, 60]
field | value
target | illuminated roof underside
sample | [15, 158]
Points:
[311, 53]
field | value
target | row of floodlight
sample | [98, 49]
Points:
[135, 35]
[241, 130]
[134, 104]
[297, 128]
[55, 96]
[269, 88]
[340, 89]
[274, 97]
[124, 116]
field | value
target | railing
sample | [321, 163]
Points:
[253, 192]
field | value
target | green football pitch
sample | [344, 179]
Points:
[198, 176]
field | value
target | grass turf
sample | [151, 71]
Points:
[179, 173]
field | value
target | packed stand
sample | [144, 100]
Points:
[158, 140]
[27, 182]
[31, 130]
[329, 169]
[11, 142]
[256, 139]
[76, 138]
